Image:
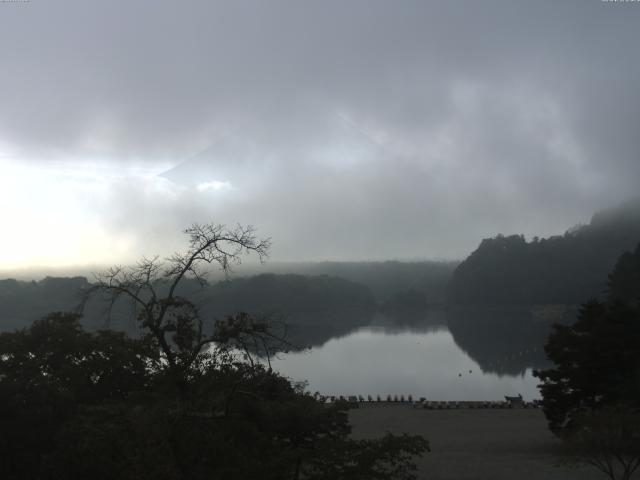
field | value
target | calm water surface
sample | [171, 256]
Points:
[381, 360]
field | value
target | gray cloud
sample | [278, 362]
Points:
[481, 117]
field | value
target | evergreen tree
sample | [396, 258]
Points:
[597, 359]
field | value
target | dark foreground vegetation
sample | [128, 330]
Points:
[591, 397]
[184, 400]
[171, 393]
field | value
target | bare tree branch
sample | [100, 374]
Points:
[151, 286]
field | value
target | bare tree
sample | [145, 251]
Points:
[151, 286]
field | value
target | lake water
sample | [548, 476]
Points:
[422, 361]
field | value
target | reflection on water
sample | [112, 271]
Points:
[454, 355]
[502, 341]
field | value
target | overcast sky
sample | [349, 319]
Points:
[342, 129]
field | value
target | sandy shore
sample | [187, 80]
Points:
[474, 444]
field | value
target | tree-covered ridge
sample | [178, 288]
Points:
[560, 269]
[314, 308]
[22, 302]
[285, 295]
[384, 279]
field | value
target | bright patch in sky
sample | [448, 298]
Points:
[48, 216]
[214, 185]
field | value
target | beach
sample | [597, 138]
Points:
[474, 444]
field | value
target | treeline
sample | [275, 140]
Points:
[385, 279]
[286, 294]
[22, 302]
[293, 298]
[561, 269]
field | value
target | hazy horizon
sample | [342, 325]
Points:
[248, 267]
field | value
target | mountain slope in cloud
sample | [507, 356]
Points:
[567, 269]
[237, 159]
[229, 159]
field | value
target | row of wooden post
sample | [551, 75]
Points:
[422, 402]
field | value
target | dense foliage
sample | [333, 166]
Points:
[100, 405]
[563, 269]
[597, 363]
[624, 281]
[288, 294]
[185, 400]
[409, 306]
[597, 359]
[47, 372]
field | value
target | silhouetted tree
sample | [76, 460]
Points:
[183, 401]
[597, 359]
[591, 397]
[151, 286]
[597, 363]
[624, 281]
[48, 370]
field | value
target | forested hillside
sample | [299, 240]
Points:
[22, 302]
[385, 279]
[294, 298]
[561, 269]
[286, 294]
